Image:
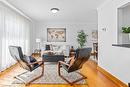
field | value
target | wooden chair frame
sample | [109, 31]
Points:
[71, 83]
[28, 83]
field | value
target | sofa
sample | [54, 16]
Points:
[55, 53]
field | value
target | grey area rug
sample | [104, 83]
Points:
[50, 76]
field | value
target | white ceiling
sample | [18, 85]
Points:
[70, 10]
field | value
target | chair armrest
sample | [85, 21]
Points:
[61, 62]
[35, 62]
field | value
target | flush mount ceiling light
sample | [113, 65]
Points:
[54, 10]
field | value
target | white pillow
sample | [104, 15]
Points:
[55, 48]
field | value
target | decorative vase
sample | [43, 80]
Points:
[129, 35]
[125, 38]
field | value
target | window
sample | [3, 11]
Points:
[123, 21]
[14, 30]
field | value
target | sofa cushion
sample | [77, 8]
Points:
[57, 49]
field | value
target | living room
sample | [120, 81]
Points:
[64, 43]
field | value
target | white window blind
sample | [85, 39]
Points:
[14, 30]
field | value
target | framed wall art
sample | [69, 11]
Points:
[56, 34]
[94, 35]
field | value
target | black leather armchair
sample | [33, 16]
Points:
[26, 62]
[81, 56]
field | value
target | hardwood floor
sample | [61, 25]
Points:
[94, 78]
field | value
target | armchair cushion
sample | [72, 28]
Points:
[26, 59]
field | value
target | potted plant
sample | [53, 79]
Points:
[81, 38]
[126, 30]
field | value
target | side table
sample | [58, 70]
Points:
[36, 54]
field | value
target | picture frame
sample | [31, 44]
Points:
[94, 35]
[56, 34]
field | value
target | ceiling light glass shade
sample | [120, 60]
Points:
[54, 10]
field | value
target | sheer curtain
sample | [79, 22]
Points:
[14, 30]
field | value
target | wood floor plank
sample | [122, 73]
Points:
[94, 78]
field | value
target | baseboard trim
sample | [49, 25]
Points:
[8, 69]
[111, 77]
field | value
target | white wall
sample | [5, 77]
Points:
[71, 32]
[115, 60]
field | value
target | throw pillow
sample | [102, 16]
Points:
[55, 47]
[32, 60]
[48, 47]
[29, 59]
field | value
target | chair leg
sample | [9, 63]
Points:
[42, 66]
[27, 83]
[59, 69]
[17, 77]
[66, 80]
[83, 77]
[59, 66]
[71, 83]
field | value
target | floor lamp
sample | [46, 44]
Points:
[37, 52]
[38, 43]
